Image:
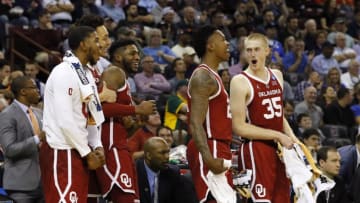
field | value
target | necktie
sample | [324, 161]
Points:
[156, 187]
[34, 122]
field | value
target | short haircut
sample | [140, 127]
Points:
[163, 127]
[342, 92]
[201, 38]
[322, 152]
[78, 34]
[93, 21]
[119, 44]
[301, 116]
[257, 36]
[308, 132]
[18, 84]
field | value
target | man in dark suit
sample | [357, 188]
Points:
[20, 137]
[349, 161]
[160, 182]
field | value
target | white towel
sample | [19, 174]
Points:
[88, 91]
[219, 187]
[299, 171]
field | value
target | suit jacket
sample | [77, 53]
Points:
[21, 154]
[355, 187]
[348, 156]
[173, 187]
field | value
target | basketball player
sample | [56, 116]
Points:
[210, 120]
[257, 93]
[117, 178]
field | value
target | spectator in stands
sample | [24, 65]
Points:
[309, 34]
[333, 79]
[217, 19]
[159, 11]
[134, 20]
[179, 68]
[320, 39]
[308, 106]
[289, 44]
[225, 78]
[297, 61]
[313, 80]
[352, 76]
[142, 15]
[326, 97]
[268, 18]
[137, 140]
[237, 68]
[188, 23]
[189, 59]
[148, 82]
[86, 7]
[277, 50]
[324, 61]
[312, 140]
[162, 54]
[354, 26]
[287, 90]
[342, 53]
[304, 122]
[167, 26]
[111, 9]
[330, 11]
[5, 71]
[32, 70]
[148, 4]
[328, 159]
[60, 12]
[183, 41]
[167, 134]
[289, 114]
[291, 29]
[350, 160]
[31, 10]
[176, 107]
[339, 112]
[340, 27]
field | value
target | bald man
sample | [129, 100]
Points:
[117, 179]
[159, 180]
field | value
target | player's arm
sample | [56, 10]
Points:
[202, 86]
[286, 127]
[240, 91]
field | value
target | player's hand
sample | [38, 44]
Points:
[94, 160]
[216, 165]
[99, 151]
[107, 95]
[286, 141]
[146, 108]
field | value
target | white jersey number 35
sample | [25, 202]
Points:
[273, 106]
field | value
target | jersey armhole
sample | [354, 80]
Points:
[251, 88]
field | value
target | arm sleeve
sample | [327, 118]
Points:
[144, 88]
[13, 147]
[65, 115]
[163, 84]
[115, 109]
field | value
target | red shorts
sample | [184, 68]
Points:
[119, 172]
[64, 175]
[269, 182]
[199, 170]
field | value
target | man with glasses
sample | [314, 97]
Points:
[21, 135]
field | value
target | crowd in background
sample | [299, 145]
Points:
[315, 43]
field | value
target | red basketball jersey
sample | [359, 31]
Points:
[265, 106]
[218, 118]
[124, 95]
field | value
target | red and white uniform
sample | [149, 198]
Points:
[264, 109]
[218, 129]
[64, 171]
[119, 170]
